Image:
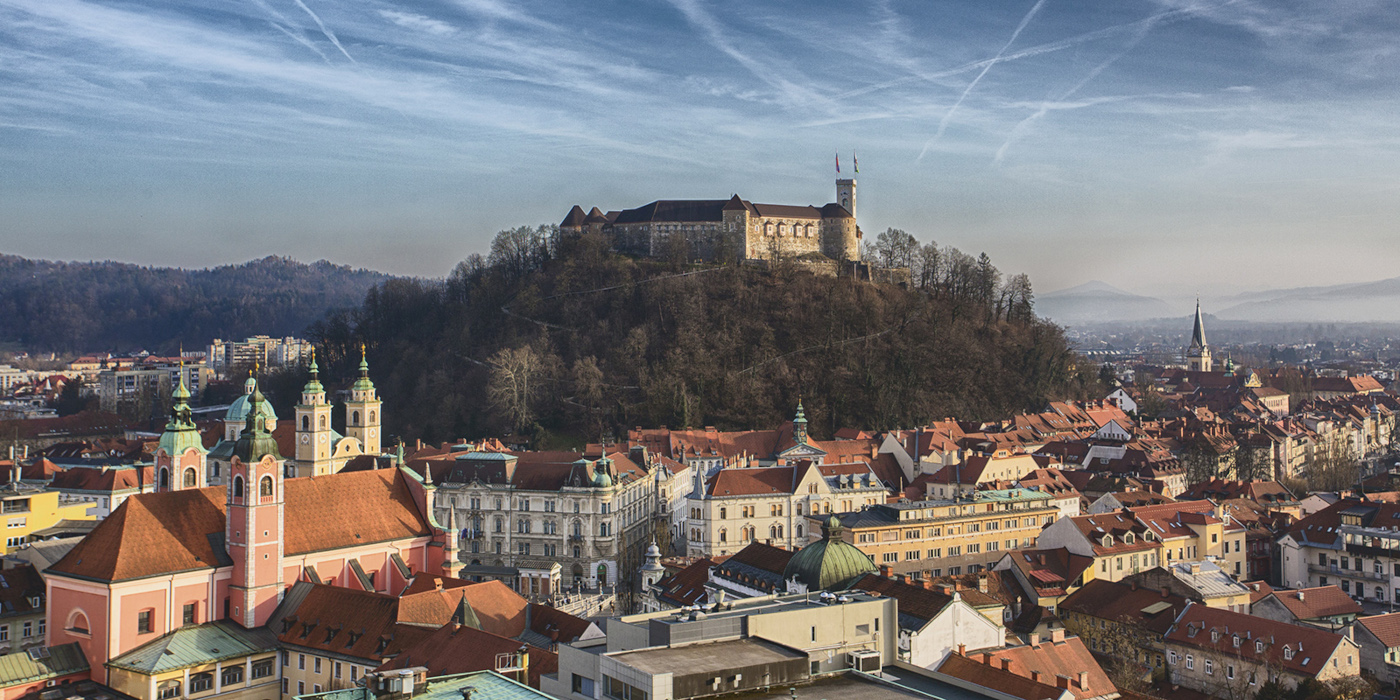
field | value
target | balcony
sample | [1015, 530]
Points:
[1334, 570]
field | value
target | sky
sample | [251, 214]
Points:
[1167, 147]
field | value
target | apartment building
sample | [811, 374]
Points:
[1132, 540]
[949, 537]
[737, 506]
[1352, 544]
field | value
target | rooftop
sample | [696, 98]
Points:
[691, 659]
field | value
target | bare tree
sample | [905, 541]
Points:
[1334, 465]
[516, 375]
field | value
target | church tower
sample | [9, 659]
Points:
[181, 459]
[651, 570]
[1198, 354]
[362, 410]
[313, 427]
[799, 425]
[253, 533]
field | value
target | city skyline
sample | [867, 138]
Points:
[1163, 147]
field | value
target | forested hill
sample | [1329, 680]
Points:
[92, 306]
[571, 344]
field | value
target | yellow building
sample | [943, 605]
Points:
[27, 509]
[212, 660]
[949, 537]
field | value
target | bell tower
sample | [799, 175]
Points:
[253, 530]
[180, 459]
[1198, 353]
[313, 427]
[362, 410]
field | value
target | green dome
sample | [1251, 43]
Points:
[829, 563]
[255, 442]
[363, 383]
[180, 433]
[238, 410]
[313, 385]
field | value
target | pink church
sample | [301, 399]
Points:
[190, 554]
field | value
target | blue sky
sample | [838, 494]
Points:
[1164, 146]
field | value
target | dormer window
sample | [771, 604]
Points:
[1108, 540]
[1128, 538]
[1288, 653]
[1236, 641]
[1259, 646]
[1215, 635]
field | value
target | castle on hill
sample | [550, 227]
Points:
[732, 229]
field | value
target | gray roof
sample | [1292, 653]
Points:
[196, 645]
[483, 685]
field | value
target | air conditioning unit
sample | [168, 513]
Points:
[866, 661]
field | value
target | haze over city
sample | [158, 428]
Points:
[1167, 148]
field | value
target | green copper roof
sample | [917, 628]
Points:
[195, 646]
[238, 410]
[313, 386]
[19, 667]
[829, 563]
[255, 442]
[478, 685]
[180, 433]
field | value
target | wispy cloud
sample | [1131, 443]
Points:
[409, 20]
[324, 30]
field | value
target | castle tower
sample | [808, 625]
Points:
[181, 460]
[253, 530]
[846, 195]
[313, 427]
[362, 410]
[1198, 354]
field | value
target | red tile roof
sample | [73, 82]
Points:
[1309, 647]
[1316, 603]
[994, 678]
[160, 533]
[459, 649]
[362, 624]
[499, 609]
[1067, 658]
[1385, 627]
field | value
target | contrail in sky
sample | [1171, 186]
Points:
[330, 34]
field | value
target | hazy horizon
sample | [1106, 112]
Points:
[1182, 147]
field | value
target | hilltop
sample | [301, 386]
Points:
[581, 342]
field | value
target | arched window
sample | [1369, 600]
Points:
[322, 424]
[305, 423]
[773, 532]
[238, 487]
[371, 417]
[578, 553]
[602, 574]
[797, 530]
[164, 483]
[500, 525]
[723, 535]
[78, 622]
[354, 418]
[578, 529]
[191, 479]
[265, 486]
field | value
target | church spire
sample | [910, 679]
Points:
[1198, 334]
[799, 425]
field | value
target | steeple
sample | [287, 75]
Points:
[253, 528]
[1198, 353]
[799, 425]
[180, 456]
[362, 418]
[313, 428]
[651, 570]
[451, 563]
[313, 386]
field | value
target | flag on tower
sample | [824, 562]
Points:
[838, 163]
[855, 162]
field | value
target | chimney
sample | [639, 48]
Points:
[1034, 639]
[901, 578]
[1057, 635]
[1300, 595]
[1062, 682]
[962, 650]
[928, 583]
[1132, 585]
[1005, 663]
[1083, 680]
[1035, 676]
[1166, 591]
[982, 583]
[885, 570]
[987, 658]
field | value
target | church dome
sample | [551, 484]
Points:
[255, 442]
[829, 563]
[238, 410]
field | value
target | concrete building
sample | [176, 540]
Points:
[1351, 543]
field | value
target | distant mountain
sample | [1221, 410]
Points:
[1377, 301]
[110, 306]
[1097, 301]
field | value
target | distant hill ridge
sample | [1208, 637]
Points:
[1098, 301]
[87, 306]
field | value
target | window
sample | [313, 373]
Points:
[238, 487]
[316, 662]
[315, 687]
[890, 557]
[622, 691]
[201, 682]
[29, 629]
[43, 627]
[301, 662]
[337, 669]
[231, 675]
[1191, 661]
[143, 622]
[301, 687]
[191, 482]
[265, 486]
[582, 685]
[168, 689]
[354, 671]
[187, 616]
[1210, 667]
[1230, 671]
